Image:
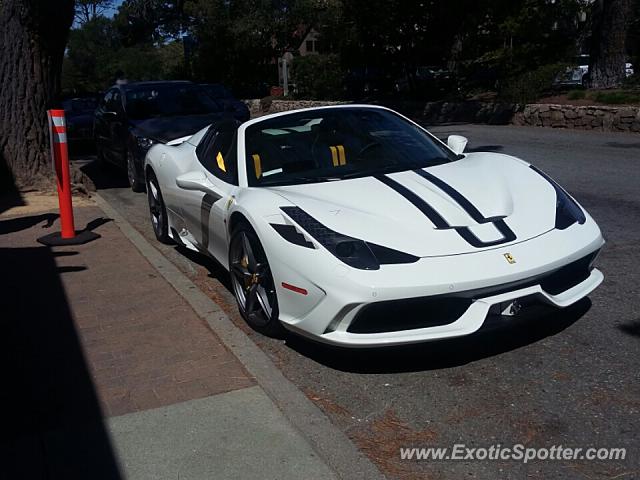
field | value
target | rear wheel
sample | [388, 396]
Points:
[157, 210]
[102, 163]
[252, 281]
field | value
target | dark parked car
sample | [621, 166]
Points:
[429, 82]
[79, 116]
[132, 117]
[367, 82]
[226, 101]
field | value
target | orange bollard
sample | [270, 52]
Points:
[60, 153]
[60, 157]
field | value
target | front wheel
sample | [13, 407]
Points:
[252, 282]
[100, 160]
[157, 210]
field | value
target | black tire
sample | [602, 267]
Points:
[252, 282]
[135, 182]
[157, 210]
[100, 160]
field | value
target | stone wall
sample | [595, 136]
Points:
[620, 119]
[610, 119]
[469, 112]
[264, 106]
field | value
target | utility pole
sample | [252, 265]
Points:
[285, 76]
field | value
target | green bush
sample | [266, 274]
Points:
[617, 98]
[317, 77]
[531, 85]
[577, 95]
[633, 81]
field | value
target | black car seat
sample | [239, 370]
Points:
[331, 143]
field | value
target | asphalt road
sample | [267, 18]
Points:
[569, 378]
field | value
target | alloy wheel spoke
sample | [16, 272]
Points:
[262, 269]
[154, 191]
[251, 259]
[252, 297]
[263, 300]
[239, 271]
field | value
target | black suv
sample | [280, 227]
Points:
[133, 116]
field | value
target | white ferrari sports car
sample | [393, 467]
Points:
[354, 226]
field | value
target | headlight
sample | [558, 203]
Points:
[352, 251]
[144, 143]
[568, 211]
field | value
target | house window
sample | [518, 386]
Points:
[311, 46]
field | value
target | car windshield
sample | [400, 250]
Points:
[217, 92]
[166, 100]
[80, 105]
[336, 143]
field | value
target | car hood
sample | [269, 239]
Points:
[83, 118]
[501, 189]
[165, 129]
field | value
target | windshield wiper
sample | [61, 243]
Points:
[319, 178]
[298, 180]
[395, 168]
[379, 171]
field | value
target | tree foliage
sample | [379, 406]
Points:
[87, 10]
[609, 34]
[318, 76]
[32, 44]
[485, 43]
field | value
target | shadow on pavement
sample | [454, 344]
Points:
[98, 222]
[22, 223]
[496, 337]
[52, 424]
[103, 176]
[631, 328]
[215, 269]
[623, 145]
[9, 195]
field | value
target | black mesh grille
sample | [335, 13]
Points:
[568, 276]
[408, 314]
[423, 312]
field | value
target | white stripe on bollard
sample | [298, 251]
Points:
[58, 121]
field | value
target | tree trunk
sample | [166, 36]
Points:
[609, 33]
[33, 37]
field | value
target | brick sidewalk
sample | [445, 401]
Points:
[143, 345]
[95, 331]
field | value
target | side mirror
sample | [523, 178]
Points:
[195, 181]
[457, 143]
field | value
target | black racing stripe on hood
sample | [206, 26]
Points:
[507, 235]
[465, 232]
[460, 199]
[418, 202]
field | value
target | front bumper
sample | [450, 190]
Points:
[472, 319]
[485, 278]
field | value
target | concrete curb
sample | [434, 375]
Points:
[329, 441]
